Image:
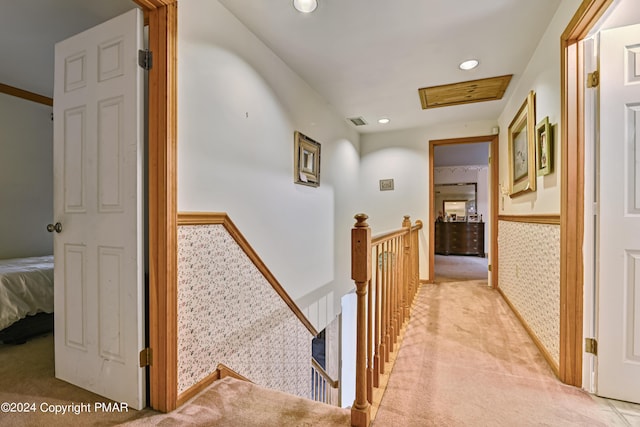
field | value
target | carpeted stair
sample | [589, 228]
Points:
[231, 402]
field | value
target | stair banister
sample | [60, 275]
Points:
[385, 290]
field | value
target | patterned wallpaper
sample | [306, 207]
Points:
[228, 313]
[529, 276]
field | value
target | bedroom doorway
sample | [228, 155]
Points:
[161, 17]
[463, 209]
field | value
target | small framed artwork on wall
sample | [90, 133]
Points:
[544, 147]
[306, 159]
[386, 184]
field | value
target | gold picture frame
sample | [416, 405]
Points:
[522, 148]
[386, 184]
[306, 159]
[544, 147]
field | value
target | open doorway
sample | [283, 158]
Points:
[462, 208]
[125, 4]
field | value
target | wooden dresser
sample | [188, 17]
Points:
[460, 238]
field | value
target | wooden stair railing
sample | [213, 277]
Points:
[323, 388]
[385, 292]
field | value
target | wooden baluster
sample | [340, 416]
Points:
[400, 278]
[407, 276]
[389, 266]
[414, 261]
[396, 296]
[361, 274]
[416, 267]
[394, 291]
[377, 369]
[385, 309]
[369, 340]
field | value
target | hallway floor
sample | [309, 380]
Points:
[453, 268]
[465, 360]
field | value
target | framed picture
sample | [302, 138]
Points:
[306, 159]
[544, 147]
[386, 184]
[522, 152]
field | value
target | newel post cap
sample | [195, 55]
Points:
[361, 220]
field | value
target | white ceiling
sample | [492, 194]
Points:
[365, 57]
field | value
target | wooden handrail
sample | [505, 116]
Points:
[332, 383]
[384, 237]
[385, 291]
[323, 388]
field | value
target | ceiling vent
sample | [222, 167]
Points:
[358, 121]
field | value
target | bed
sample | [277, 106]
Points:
[26, 298]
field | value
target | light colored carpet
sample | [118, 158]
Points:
[234, 403]
[27, 376]
[466, 361]
[454, 268]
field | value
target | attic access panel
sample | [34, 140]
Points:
[481, 90]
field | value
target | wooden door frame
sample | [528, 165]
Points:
[572, 189]
[493, 200]
[162, 18]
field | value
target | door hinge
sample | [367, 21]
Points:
[593, 79]
[145, 357]
[145, 59]
[591, 346]
[489, 267]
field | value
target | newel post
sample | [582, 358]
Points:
[361, 274]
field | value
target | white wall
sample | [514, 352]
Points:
[403, 156]
[529, 264]
[26, 173]
[348, 376]
[542, 75]
[238, 108]
[620, 14]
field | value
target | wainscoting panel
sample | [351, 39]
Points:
[529, 277]
[229, 313]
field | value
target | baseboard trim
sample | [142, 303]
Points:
[197, 388]
[223, 371]
[545, 353]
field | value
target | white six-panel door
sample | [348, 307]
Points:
[619, 235]
[98, 155]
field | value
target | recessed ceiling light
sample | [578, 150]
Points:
[469, 64]
[305, 6]
[384, 121]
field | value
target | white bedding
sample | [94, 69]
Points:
[26, 288]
